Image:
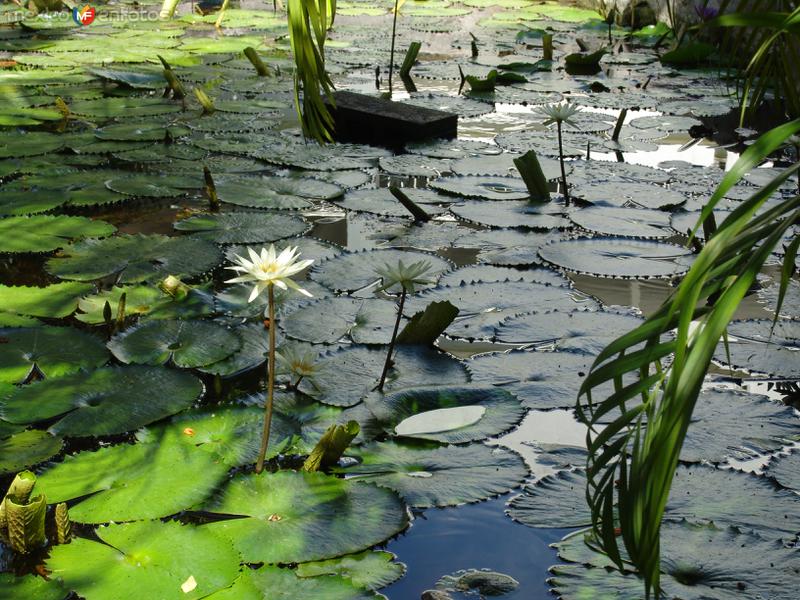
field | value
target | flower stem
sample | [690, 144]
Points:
[388, 362]
[262, 453]
[561, 161]
[391, 54]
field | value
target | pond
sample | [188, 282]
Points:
[141, 158]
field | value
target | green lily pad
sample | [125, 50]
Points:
[103, 402]
[25, 449]
[519, 214]
[243, 227]
[326, 321]
[30, 586]
[578, 330]
[483, 188]
[451, 415]
[156, 560]
[22, 202]
[347, 376]
[627, 222]
[150, 186]
[157, 477]
[41, 233]
[370, 570]
[51, 351]
[252, 354]
[381, 202]
[284, 584]
[53, 301]
[119, 108]
[255, 192]
[355, 270]
[146, 301]
[438, 476]
[298, 517]
[135, 258]
[32, 143]
[753, 347]
[188, 344]
[618, 257]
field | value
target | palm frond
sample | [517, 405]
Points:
[632, 460]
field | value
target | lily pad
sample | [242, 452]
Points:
[627, 222]
[187, 344]
[618, 257]
[154, 559]
[488, 273]
[784, 469]
[25, 449]
[621, 193]
[103, 402]
[519, 214]
[439, 476]
[451, 415]
[30, 586]
[243, 227]
[146, 301]
[482, 188]
[41, 233]
[135, 258]
[352, 271]
[347, 376]
[49, 351]
[363, 320]
[381, 202]
[754, 348]
[154, 478]
[298, 517]
[275, 192]
[370, 570]
[579, 330]
[53, 301]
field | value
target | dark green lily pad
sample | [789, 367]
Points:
[579, 330]
[354, 270]
[145, 301]
[123, 107]
[483, 188]
[363, 320]
[618, 257]
[30, 586]
[53, 301]
[488, 273]
[25, 449]
[156, 560]
[135, 258]
[627, 222]
[188, 344]
[348, 375]
[103, 402]
[252, 354]
[381, 202]
[22, 202]
[50, 351]
[243, 227]
[752, 348]
[369, 570]
[451, 415]
[32, 143]
[275, 192]
[439, 476]
[298, 517]
[41, 233]
[154, 478]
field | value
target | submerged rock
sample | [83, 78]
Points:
[435, 595]
[486, 583]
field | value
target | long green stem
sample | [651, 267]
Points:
[388, 362]
[262, 453]
[391, 54]
[561, 161]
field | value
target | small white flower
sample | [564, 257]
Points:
[268, 269]
[558, 113]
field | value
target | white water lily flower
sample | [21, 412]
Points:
[269, 269]
[559, 113]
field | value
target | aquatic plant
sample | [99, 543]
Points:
[407, 277]
[632, 460]
[22, 515]
[266, 270]
[559, 114]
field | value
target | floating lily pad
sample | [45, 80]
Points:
[355, 270]
[483, 306]
[123, 107]
[47, 233]
[363, 320]
[487, 273]
[243, 227]
[154, 478]
[627, 222]
[754, 348]
[452, 415]
[25, 449]
[791, 301]
[519, 214]
[483, 188]
[579, 330]
[443, 476]
[53, 301]
[347, 376]
[146, 301]
[618, 257]
[622, 193]
[784, 469]
[135, 258]
[541, 380]
[381, 202]
[275, 192]
[502, 165]
[370, 570]
[412, 165]
[298, 517]
[103, 402]
[30, 586]
[49, 351]
[21, 202]
[188, 344]
[154, 559]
